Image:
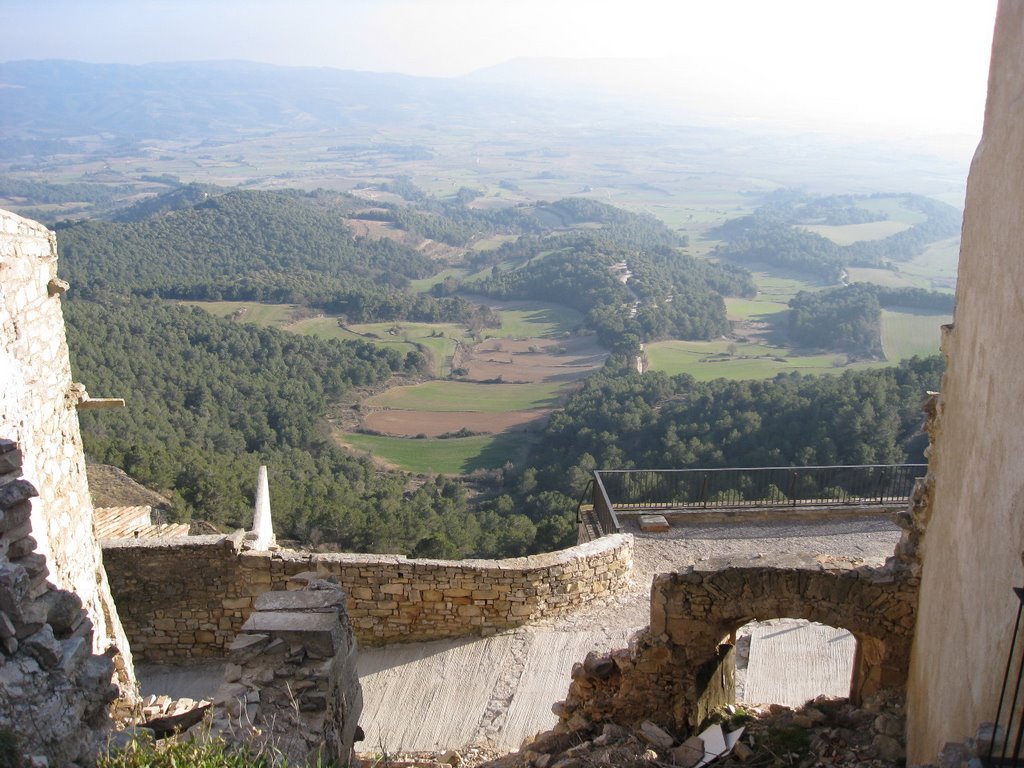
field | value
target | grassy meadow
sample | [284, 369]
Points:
[451, 456]
[909, 332]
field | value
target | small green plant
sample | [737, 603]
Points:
[188, 753]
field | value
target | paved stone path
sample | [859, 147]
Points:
[499, 690]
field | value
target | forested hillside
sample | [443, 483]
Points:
[209, 400]
[621, 419]
[628, 277]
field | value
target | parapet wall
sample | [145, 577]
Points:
[182, 598]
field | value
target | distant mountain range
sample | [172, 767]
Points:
[60, 99]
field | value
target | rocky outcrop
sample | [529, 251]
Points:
[53, 691]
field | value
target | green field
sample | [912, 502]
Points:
[779, 285]
[278, 315]
[523, 320]
[844, 234]
[889, 278]
[424, 284]
[937, 266]
[453, 456]
[490, 243]
[706, 360]
[535, 320]
[438, 396]
[894, 208]
[909, 332]
[754, 309]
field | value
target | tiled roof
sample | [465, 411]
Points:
[133, 522]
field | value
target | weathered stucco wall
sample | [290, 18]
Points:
[182, 598]
[974, 537]
[38, 411]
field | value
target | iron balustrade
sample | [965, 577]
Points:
[1006, 734]
[731, 488]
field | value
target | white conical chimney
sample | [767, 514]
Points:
[262, 536]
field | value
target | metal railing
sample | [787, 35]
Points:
[732, 488]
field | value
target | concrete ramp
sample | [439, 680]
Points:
[428, 696]
[453, 693]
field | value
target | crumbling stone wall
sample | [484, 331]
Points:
[53, 691]
[291, 684]
[38, 402]
[182, 598]
[682, 666]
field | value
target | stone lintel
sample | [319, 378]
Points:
[318, 633]
[316, 600]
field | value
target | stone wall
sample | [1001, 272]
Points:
[682, 666]
[38, 402]
[182, 598]
[291, 683]
[53, 691]
[974, 534]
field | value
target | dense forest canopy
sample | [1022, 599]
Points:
[624, 420]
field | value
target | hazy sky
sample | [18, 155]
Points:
[913, 65]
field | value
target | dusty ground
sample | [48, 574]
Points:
[533, 361]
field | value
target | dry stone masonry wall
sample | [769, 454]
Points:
[188, 598]
[53, 691]
[38, 402]
[679, 669]
[291, 684]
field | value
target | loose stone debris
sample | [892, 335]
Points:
[824, 732]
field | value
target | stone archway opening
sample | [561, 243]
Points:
[789, 661]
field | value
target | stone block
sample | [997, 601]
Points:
[63, 610]
[654, 524]
[14, 493]
[318, 633]
[14, 589]
[304, 600]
